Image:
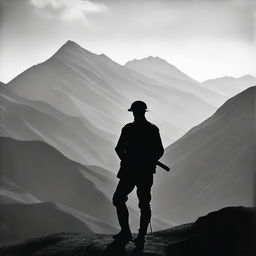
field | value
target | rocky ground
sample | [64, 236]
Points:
[230, 231]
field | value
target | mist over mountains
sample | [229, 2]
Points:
[38, 175]
[37, 179]
[98, 91]
[61, 119]
[230, 86]
[89, 94]
[160, 70]
[26, 119]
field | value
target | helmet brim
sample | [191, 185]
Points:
[131, 110]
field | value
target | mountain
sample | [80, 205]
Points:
[38, 218]
[33, 173]
[226, 232]
[20, 222]
[25, 119]
[160, 68]
[51, 177]
[12, 193]
[230, 86]
[162, 71]
[86, 85]
[213, 165]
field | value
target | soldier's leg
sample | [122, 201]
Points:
[144, 196]
[124, 188]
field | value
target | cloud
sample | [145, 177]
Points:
[69, 9]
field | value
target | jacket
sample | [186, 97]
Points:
[139, 148]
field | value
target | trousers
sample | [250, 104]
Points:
[125, 186]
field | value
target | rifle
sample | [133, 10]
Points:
[165, 167]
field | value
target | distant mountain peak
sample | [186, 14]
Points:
[72, 49]
[71, 43]
[151, 60]
[156, 58]
[247, 76]
[153, 66]
[71, 46]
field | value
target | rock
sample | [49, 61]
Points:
[229, 231]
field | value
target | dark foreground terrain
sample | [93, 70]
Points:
[230, 231]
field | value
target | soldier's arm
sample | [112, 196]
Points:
[157, 146]
[121, 145]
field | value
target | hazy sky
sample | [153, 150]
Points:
[203, 38]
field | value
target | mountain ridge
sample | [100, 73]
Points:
[101, 90]
[150, 60]
[213, 164]
[230, 77]
[27, 119]
[161, 70]
[230, 86]
[34, 168]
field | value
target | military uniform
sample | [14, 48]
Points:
[139, 148]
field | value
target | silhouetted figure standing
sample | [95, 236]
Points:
[139, 148]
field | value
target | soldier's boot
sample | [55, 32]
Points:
[125, 234]
[144, 222]
[139, 242]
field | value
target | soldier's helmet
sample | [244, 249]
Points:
[138, 106]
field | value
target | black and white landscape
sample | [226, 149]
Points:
[213, 164]
[213, 234]
[70, 70]
[95, 91]
[76, 90]
[61, 120]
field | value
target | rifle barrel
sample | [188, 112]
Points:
[165, 167]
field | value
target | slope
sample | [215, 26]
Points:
[44, 173]
[160, 68]
[35, 220]
[49, 176]
[213, 235]
[11, 193]
[230, 86]
[82, 84]
[25, 119]
[213, 165]
[38, 218]
[162, 71]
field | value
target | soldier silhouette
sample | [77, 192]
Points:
[139, 148]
